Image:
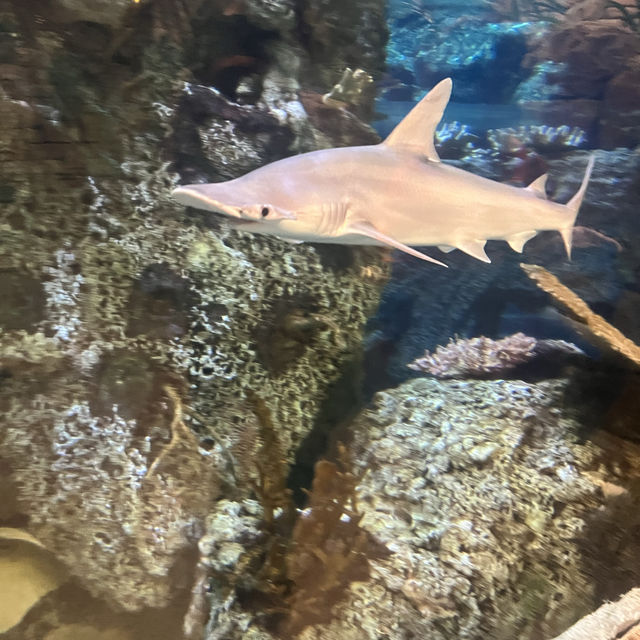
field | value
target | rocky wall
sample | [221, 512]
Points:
[480, 508]
[500, 504]
[130, 331]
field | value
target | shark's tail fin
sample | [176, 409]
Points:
[573, 206]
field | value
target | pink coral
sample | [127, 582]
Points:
[476, 357]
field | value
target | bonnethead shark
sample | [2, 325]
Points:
[397, 194]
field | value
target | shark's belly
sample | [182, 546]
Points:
[448, 226]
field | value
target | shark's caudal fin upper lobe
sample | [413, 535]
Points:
[574, 206]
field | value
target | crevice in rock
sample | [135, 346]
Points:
[227, 48]
[343, 401]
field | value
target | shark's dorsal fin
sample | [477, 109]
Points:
[539, 186]
[366, 229]
[416, 132]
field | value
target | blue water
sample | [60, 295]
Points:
[479, 117]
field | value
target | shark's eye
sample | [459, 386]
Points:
[265, 212]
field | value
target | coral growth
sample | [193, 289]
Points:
[483, 357]
[485, 494]
[350, 90]
[455, 140]
[542, 139]
[590, 324]
[517, 154]
[271, 490]
[476, 357]
[329, 549]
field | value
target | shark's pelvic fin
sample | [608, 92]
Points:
[366, 229]
[446, 248]
[416, 132]
[474, 248]
[574, 206]
[518, 240]
[539, 186]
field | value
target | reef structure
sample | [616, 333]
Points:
[131, 332]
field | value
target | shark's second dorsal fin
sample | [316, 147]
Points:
[416, 132]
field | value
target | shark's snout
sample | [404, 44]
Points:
[232, 200]
[210, 197]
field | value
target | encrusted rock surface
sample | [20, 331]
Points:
[132, 331]
[491, 503]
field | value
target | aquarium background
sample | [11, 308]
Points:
[213, 435]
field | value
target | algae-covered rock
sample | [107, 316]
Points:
[488, 499]
[131, 331]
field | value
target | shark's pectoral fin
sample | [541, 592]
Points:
[518, 240]
[290, 240]
[366, 229]
[474, 248]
